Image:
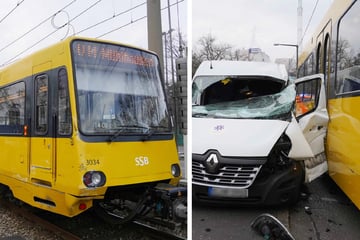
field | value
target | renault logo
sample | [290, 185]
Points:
[212, 160]
[212, 163]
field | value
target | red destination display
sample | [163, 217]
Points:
[112, 53]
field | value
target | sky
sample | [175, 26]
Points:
[240, 23]
[19, 17]
[255, 23]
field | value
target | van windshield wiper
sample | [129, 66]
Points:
[200, 114]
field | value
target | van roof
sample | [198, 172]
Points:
[242, 68]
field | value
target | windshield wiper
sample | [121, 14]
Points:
[147, 135]
[200, 114]
[123, 129]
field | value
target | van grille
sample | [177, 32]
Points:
[228, 176]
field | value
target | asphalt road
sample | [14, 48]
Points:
[326, 214]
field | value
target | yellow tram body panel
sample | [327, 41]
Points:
[119, 161]
[343, 145]
[65, 191]
[47, 198]
[331, 44]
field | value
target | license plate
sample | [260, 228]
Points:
[228, 192]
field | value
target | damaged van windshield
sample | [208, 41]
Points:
[242, 97]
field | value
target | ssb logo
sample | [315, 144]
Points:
[141, 161]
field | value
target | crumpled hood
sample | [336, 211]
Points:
[236, 137]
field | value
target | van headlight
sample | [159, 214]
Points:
[94, 179]
[279, 153]
[175, 170]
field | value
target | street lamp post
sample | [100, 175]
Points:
[297, 52]
[165, 59]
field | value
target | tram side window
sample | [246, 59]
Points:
[348, 52]
[64, 114]
[310, 65]
[307, 95]
[301, 71]
[42, 100]
[12, 108]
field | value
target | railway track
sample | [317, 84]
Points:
[86, 227]
[29, 216]
[157, 234]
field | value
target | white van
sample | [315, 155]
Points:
[255, 136]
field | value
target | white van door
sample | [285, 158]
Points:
[312, 117]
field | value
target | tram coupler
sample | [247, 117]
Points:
[170, 202]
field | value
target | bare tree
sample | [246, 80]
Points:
[178, 50]
[240, 55]
[196, 61]
[178, 44]
[209, 49]
[343, 50]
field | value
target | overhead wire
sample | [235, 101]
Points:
[38, 25]
[57, 29]
[110, 18]
[11, 11]
[134, 21]
[87, 9]
[85, 29]
[72, 19]
[308, 24]
[127, 24]
[42, 39]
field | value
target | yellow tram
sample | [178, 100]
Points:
[334, 50]
[85, 122]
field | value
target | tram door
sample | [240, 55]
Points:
[42, 150]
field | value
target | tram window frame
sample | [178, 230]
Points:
[326, 60]
[64, 121]
[301, 71]
[318, 59]
[12, 107]
[348, 67]
[41, 105]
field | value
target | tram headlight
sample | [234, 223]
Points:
[175, 170]
[94, 179]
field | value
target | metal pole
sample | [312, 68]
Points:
[172, 65]
[165, 60]
[297, 53]
[154, 29]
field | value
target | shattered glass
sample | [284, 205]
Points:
[278, 105]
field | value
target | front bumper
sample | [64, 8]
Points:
[279, 187]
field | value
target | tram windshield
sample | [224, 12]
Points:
[118, 90]
[242, 97]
